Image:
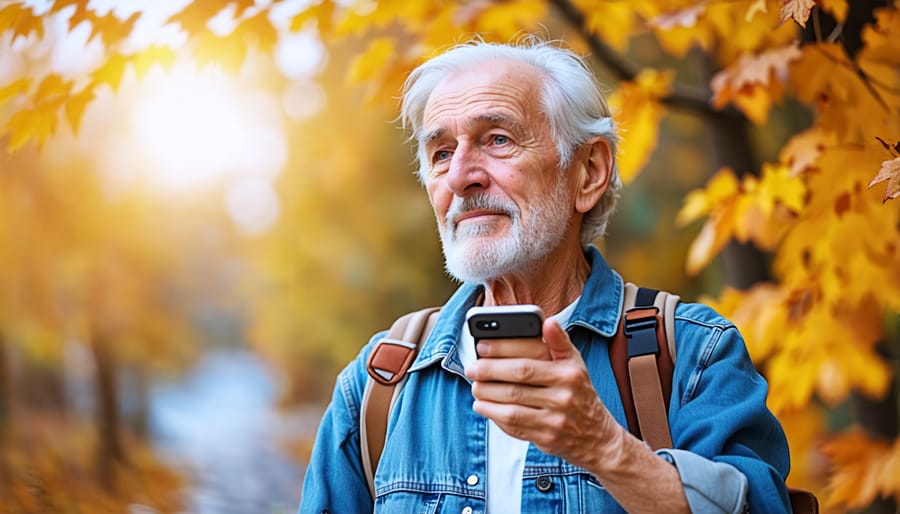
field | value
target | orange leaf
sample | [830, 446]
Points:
[21, 20]
[796, 9]
[890, 172]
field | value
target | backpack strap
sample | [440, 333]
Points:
[387, 366]
[643, 368]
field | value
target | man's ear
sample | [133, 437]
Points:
[593, 172]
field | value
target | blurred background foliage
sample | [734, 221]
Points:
[207, 208]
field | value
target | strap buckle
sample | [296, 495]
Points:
[389, 360]
[640, 329]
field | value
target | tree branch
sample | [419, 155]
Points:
[682, 96]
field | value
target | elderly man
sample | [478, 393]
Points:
[516, 149]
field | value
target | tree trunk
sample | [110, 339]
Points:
[110, 448]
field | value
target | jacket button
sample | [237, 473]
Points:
[543, 484]
[467, 510]
[472, 480]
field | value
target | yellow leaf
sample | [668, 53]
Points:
[720, 189]
[714, 235]
[228, 51]
[145, 59]
[612, 21]
[803, 150]
[837, 8]
[258, 30]
[754, 81]
[798, 10]
[75, 106]
[373, 62]
[38, 123]
[322, 13]
[21, 19]
[111, 71]
[638, 113]
[110, 28]
[778, 186]
[504, 20]
[757, 7]
[14, 89]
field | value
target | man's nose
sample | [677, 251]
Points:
[468, 171]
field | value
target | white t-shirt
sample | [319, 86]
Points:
[506, 454]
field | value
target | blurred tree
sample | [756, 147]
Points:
[813, 320]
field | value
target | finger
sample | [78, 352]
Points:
[515, 370]
[505, 392]
[558, 343]
[511, 418]
[531, 348]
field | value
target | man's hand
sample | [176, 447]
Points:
[541, 392]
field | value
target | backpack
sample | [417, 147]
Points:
[643, 369]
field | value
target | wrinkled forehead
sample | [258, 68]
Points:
[501, 89]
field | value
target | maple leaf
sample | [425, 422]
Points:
[889, 172]
[683, 18]
[368, 65]
[14, 89]
[76, 105]
[111, 72]
[110, 28]
[194, 17]
[21, 20]
[796, 9]
[753, 81]
[322, 13]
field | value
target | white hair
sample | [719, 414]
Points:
[570, 97]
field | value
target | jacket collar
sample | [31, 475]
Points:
[598, 310]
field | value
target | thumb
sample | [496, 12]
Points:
[558, 342]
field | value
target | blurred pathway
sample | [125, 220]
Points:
[219, 425]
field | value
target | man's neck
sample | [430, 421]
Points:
[552, 283]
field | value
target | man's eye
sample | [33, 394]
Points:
[499, 139]
[441, 155]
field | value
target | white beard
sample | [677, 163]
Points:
[472, 254]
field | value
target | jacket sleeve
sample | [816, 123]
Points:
[334, 481]
[718, 409]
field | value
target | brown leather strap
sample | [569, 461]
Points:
[662, 369]
[387, 366]
[648, 401]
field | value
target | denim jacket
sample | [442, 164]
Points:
[435, 456]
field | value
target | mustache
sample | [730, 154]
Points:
[480, 202]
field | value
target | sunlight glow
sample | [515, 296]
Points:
[199, 129]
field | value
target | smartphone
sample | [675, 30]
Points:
[505, 322]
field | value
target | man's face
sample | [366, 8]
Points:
[500, 200]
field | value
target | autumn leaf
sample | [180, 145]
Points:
[21, 20]
[369, 64]
[890, 173]
[76, 105]
[798, 10]
[194, 17]
[13, 89]
[110, 28]
[754, 81]
[638, 111]
[322, 13]
[864, 469]
[111, 71]
[683, 18]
